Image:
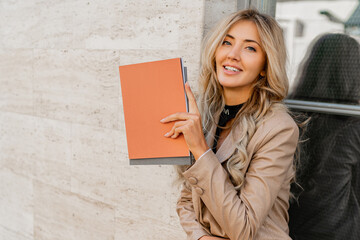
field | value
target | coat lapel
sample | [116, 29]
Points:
[227, 148]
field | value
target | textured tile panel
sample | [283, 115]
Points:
[16, 206]
[61, 214]
[140, 227]
[16, 79]
[146, 188]
[77, 86]
[36, 148]
[96, 164]
[16, 24]
[8, 234]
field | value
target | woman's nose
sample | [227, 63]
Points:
[234, 53]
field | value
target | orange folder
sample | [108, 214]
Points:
[150, 92]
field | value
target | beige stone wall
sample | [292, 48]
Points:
[64, 172]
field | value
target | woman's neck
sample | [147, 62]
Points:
[235, 97]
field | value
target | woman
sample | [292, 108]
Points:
[238, 187]
[328, 178]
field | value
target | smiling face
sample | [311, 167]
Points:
[240, 59]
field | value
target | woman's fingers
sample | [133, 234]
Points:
[175, 131]
[182, 116]
[193, 108]
[181, 128]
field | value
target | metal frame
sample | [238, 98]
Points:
[320, 107]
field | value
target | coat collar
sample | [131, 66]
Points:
[227, 147]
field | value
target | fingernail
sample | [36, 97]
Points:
[166, 134]
[162, 120]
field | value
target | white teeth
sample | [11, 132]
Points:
[232, 69]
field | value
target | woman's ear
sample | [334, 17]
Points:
[262, 73]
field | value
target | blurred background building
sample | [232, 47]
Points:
[303, 21]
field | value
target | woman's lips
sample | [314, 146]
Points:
[231, 70]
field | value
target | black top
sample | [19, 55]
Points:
[228, 113]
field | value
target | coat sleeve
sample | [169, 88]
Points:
[185, 210]
[241, 214]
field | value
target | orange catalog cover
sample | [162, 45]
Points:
[150, 92]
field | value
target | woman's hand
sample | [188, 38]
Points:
[188, 124]
[212, 238]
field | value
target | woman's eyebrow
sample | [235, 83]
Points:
[250, 40]
[246, 40]
[230, 36]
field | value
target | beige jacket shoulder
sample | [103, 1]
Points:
[259, 210]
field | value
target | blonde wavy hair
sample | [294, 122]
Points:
[267, 92]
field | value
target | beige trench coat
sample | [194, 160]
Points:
[259, 210]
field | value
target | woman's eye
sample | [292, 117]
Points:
[251, 49]
[226, 43]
